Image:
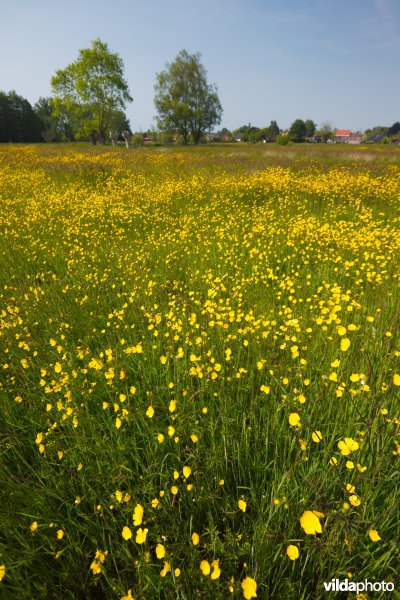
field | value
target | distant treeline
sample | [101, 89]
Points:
[22, 122]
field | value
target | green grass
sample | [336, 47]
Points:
[223, 269]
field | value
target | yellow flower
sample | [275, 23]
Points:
[166, 569]
[310, 522]
[249, 587]
[354, 500]
[101, 556]
[160, 438]
[374, 535]
[57, 367]
[126, 533]
[292, 552]
[118, 422]
[316, 436]
[242, 505]
[344, 344]
[154, 503]
[177, 572]
[60, 534]
[194, 438]
[172, 406]
[128, 596]
[34, 526]
[186, 472]
[195, 539]
[141, 535]
[294, 419]
[396, 379]
[2, 572]
[95, 567]
[347, 446]
[174, 490]
[138, 515]
[171, 431]
[150, 412]
[216, 570]
[205, 567]
[160, 551]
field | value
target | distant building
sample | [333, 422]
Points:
[209, 136]
[374, 139]
[346, 136]
[342, 136]
[354, 138]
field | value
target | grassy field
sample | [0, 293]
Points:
[199, 371]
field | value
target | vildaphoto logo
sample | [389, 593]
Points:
[336, 585]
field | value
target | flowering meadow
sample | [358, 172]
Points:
[199, 371]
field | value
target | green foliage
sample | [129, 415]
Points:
[394, 129]
[377, 130]
[137, 139]
[91, 90]
[273, 130]
[55, 127]
[326, 132]
[298, 131]
[185, 101]
[310, 128]
[18, 120]
[282, 140]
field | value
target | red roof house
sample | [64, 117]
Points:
[342, 135]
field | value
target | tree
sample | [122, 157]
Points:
[248, 133]
[325, 132]
[185, 102]
[310, 128]
[18, 121]
[91, 89]
[273, 130]
[298, 131]
[54, 127]
[394, 129]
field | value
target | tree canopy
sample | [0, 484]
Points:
[91, 89]
[18, 120]
[298, 131]
[185, 101]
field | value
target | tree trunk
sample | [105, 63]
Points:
[127, 137]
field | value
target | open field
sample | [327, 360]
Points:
[199, 371]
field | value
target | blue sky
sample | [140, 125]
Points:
[327, 60]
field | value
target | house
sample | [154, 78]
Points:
[342, 136]
[209, 136]
[354, 138]
[346, 136]
[374, 139]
